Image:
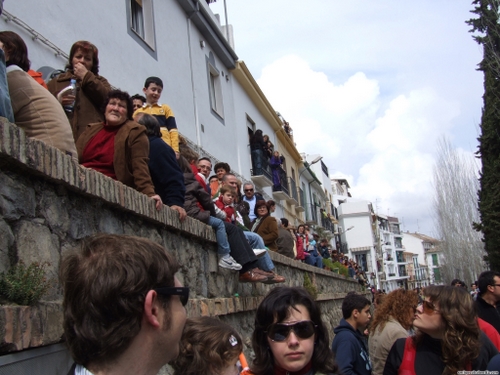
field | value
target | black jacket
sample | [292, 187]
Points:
[488, 312]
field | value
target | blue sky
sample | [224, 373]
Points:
[370, 85]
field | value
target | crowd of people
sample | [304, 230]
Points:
[135, 140]
[136, 323]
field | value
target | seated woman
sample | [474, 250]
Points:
[35, 111]
[208, 347]
[220, 170]
[118, 147]
[448, 337]
[393, 318]
[289, 335]
[92, 89]
[265, 225]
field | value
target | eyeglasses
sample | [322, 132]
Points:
[248, 190]
[206, 167]
[280, 331]
[182, 292]
[428, 307]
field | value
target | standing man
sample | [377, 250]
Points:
[251, 197]
[123, 307]
[488, 297]
[349, 344]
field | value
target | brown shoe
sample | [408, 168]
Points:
[275, 280]
[252, 277]
[269, 275]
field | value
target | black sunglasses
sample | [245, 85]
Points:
[182, 292]
[280, 331]
[248, 190]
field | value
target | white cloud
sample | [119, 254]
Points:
[386, 150]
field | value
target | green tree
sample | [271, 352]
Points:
[486, 31]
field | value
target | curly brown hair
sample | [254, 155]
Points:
[461, 340]
[207, 346]
[400, 305]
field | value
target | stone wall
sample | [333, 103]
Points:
[49, 203]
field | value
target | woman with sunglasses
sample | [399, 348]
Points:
[448, 337]
[393, 318]
[289, 335]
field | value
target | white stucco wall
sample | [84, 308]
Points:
[414, 245]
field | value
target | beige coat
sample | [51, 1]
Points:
[37, 112]
[380, 343]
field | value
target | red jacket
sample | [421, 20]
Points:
[229, 210]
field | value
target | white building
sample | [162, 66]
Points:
[356, 232]
[394, 264]
[414, 243]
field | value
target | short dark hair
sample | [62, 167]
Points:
[150, 123]
[154, 80]
[276, 307]
[222, 165]
[16, 50]
[85, 47]
[459, 282]
[485, 279]
[212, 177]
[205, 158]
[353, 301]
[284, 222]
[104, 290]
[121, 95]
[138, 97]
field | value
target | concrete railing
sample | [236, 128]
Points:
[49, 203]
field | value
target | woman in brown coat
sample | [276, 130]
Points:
[118, 147]
[265, 225]
[91, 88]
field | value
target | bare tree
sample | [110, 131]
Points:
[455, 210]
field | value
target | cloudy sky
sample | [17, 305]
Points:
[371, 85]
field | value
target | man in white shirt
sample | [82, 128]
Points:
[123, 307]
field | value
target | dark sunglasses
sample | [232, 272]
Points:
[280, 331]
[428, 307]
[182, 292]
[248, 190]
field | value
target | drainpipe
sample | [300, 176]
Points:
[195, 105]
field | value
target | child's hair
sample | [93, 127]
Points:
[151, 80]
[207, 346]
[190, 155]
[227, 189]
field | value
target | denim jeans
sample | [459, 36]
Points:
[256, 242]
[5, 106]
[314, 259]
[220, 233]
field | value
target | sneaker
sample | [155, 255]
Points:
[229, 263]
[259, 252]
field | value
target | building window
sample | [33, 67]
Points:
[435, 260]
[141, 24]
[215, 87]
[324, 168]
[437, 275]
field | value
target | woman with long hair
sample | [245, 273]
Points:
[289, 336]
[448, 337]
[393, 318]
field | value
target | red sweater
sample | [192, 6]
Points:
[229, 210]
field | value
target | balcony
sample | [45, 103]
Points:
[302, 203]
[261, 170]
[294, 197]
[400, 257]
[280, 185]
[312, 215]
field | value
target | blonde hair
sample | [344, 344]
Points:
[207, 346]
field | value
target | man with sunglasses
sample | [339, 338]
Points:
[251, 197]
[488, 298]
[349, 345]
[123, 307]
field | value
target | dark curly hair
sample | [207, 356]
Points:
[461, 343]
[275, 308]
[121, 95]
[207, 346]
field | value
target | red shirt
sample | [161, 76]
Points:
[100, 151]
[229, 210]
